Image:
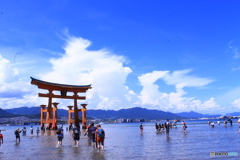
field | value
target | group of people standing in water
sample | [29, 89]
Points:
[225, 122]
[166, 126]
[24, 132]
[95, 134]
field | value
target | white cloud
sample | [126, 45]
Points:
[104, 70]
[152, 96]
[150, 93]
[236, 103]
[13, 91]
[108, 74]
[180, 79]
[234, 106]
[7, 72]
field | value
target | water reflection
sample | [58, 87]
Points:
[123, 141]
[17, 143]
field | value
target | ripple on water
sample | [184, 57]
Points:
[123, 141]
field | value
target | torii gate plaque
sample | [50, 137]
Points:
[51, 119]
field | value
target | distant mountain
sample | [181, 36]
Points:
[4, 113]
[212, 115]
[233, 114]
[190, 114]
[101, 114]
[144, 113]
[196, 115]
[30, 111]
[24, 110]
[137, 112]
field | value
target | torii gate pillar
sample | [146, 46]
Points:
[84, 116]
[54, 119]
[70, 121]
[42, 116]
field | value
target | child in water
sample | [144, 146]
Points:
[1, 138]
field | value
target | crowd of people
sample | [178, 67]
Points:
[95, 134]
[225, 122]
[167, 125]
[24, 132]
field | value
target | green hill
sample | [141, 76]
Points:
[4, 114]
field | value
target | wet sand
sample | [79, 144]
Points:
[124, 141]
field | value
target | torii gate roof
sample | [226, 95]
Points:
[59, 87]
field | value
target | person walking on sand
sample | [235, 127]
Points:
[100, 136]
[1, 138]
[76, 135]
[60, 137]
[218, 123]
[17, 134]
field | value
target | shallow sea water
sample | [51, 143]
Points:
[124, 141]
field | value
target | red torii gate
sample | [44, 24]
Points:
[51, 112]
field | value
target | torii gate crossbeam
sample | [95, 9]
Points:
[51, 119]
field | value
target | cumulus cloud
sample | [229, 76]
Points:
[107, 72]
[7, 72]
[177, 101]
[234, 106]
[101, 68]
[13, 91]
[180, 79]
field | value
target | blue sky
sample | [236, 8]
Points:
[169, 55]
